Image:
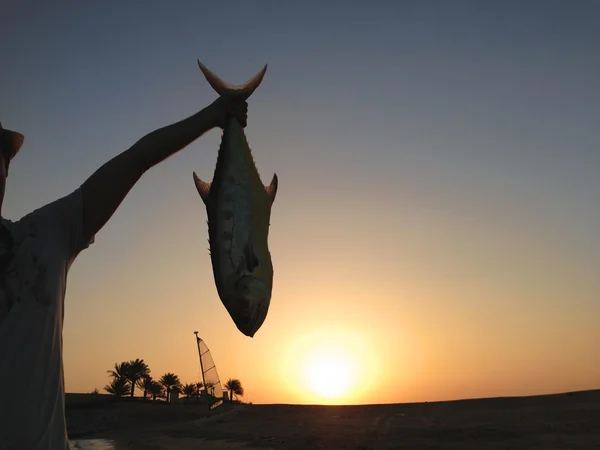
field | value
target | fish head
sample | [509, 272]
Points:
[249, 304]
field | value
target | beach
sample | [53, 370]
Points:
[560, 421]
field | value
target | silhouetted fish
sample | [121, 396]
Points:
[238, 206]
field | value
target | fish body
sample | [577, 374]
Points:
[238, 207]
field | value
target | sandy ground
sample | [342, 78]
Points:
[564, 421]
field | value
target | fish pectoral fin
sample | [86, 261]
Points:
[272, 188]
[250, 256]
[202, 187]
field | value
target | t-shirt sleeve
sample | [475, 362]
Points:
[65, 217]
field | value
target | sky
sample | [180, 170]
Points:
[435, 232]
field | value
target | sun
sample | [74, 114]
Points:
[330, 377]
[329, 365]
[330, 373]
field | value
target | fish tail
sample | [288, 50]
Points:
[225, 89]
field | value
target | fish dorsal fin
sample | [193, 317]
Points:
[272, 188]
[202, 187]
[225, 89]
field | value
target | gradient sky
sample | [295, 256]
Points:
[438, 215]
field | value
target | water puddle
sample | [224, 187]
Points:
[93, 444]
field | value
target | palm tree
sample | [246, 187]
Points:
[156, 389]
[170, 381]
[189, 390]
[118, 387]
[136, 369]
[209, 386]
[234, 386]
[120, 370]
[145, 384]
[199, 386]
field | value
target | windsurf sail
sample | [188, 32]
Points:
[213, 390]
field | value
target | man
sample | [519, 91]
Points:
[36, 253]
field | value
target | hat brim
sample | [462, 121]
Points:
[10, 142]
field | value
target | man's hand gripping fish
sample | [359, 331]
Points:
[238, 206]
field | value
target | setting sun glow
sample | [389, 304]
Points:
[329, 366]
[330, 378]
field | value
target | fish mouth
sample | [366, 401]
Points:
[249, 309]
[249, 323]
[246, 329]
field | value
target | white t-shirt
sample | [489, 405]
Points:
[32, 293]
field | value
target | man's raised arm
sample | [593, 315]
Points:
[104, 191]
